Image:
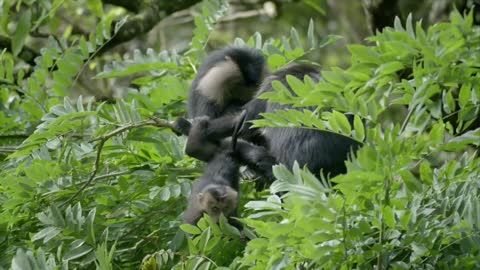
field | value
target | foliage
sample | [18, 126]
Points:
[410, 198]
[102, 185]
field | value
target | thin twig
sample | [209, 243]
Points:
[189, 16]
[156, 122]
[405, 121]
[100, 177]
[89, 59]
[113, 174]
[8, 149]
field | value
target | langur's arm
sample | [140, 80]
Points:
[224, 126]
[256, 158]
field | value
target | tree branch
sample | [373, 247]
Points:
[147, 19]
[7, 149]
[156, 122]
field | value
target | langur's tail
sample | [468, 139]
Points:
[237, 128]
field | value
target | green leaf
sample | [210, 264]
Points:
[5, 17]
[409, 26]
[312, 41]
[359, 128]
[297, 85]
[295, 38]
[281, 172]
[465, 95]
[315, 5]
[329, 40]
[46, 234]
[57, 216]
[397, 24]
[389, 68]
[462, 141]
[165, 195]
[77, 252]
[437, 133]
[419, 250]
[21, 32]
[411, 181]
[212, 12]
[190, 229]
[389, 217]
[276, 61]
[227, 228]
[255, 41]
[96, 7]
[426, 173]
[22, 261]
[361, 53]
[286, 44]
[342, 122]
[90, 226]
[204, 240]
[448, 101]
[334, 125]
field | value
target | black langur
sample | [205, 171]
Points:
[204, 147]
[217, 191]
[226, 80]
[318, 150]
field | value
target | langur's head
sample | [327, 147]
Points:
[217, 199]
[250, 62]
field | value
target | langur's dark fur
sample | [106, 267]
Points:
[318, 150]
[217, 191]
[226, 80]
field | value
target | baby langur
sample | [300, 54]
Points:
[217, 191]
[203, 146]
[226, 80]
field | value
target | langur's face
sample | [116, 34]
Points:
[218, 200]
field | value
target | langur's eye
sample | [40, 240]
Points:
[215, 209]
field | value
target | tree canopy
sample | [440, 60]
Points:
[92, 176]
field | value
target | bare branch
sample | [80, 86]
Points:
[113, 174]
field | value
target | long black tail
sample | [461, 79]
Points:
[237, 128]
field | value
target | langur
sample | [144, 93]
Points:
[318, 150]
[226, 80]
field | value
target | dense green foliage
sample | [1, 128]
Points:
[97, 184]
